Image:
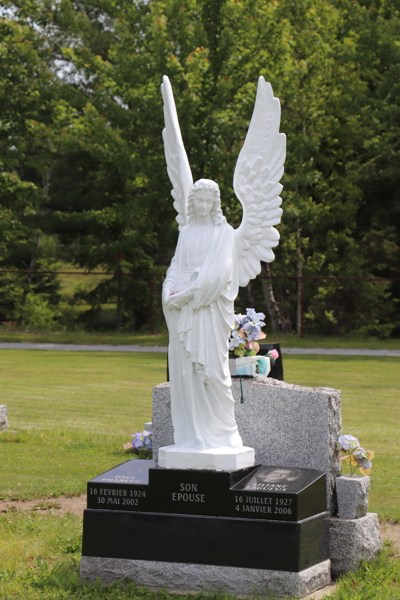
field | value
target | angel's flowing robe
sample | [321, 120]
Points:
[202, 404]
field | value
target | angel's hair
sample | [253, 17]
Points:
[206, 185]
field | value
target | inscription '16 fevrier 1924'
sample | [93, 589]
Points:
[259, 492]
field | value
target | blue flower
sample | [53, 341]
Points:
[255, 316]
[362, 458]
[348, 442]
[143, 439]
[235, 341]
[240, 320]
[253, 326]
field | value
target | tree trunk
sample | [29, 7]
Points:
[119, 300]
[250, 295]
[31, 269]
[300, 284]
[274, 311]
[46, 179]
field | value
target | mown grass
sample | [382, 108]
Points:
[376, 580]
[161, 339]
[370, 410]
[69, 414]
[42, 563]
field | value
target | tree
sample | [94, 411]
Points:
[90, 171]
[26, 108]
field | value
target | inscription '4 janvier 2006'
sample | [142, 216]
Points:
[268, 505]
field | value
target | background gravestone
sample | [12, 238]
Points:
[288, 425]
[3, 417]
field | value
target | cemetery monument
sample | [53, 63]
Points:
[238, 497]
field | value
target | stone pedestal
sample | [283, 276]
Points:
[287, 425]
[3, 417]
[352, 496]
[353, 540]
[183, 578]
[215, 459]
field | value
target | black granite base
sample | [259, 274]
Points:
[260, 517]
[258, 544]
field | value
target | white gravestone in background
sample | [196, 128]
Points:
[211, 261]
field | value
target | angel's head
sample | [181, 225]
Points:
[210, 190]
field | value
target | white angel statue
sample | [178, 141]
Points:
[211, 261]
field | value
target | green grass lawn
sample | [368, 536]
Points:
[69, 414]
[370, 410]
[40, 561]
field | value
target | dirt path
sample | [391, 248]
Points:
[76, 505]
[56, 506]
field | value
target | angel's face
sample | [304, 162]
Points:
[203, 202]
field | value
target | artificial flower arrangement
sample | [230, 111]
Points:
[354, 455]
[141, 445]
[242, 339]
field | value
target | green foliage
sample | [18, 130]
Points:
[37, 313]
[81, 154]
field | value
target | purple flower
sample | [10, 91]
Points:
[348, 442]
[255, 316]
[252, 329]
[142, 439]
[362, 458]
[235, 340]
[249, 326]
[240, 320]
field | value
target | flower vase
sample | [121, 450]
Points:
[352, 496]
[249, 366]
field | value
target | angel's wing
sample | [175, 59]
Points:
[256, 184]
[177, 161]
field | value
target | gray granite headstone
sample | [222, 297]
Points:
[3, 417]
[288, 425]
